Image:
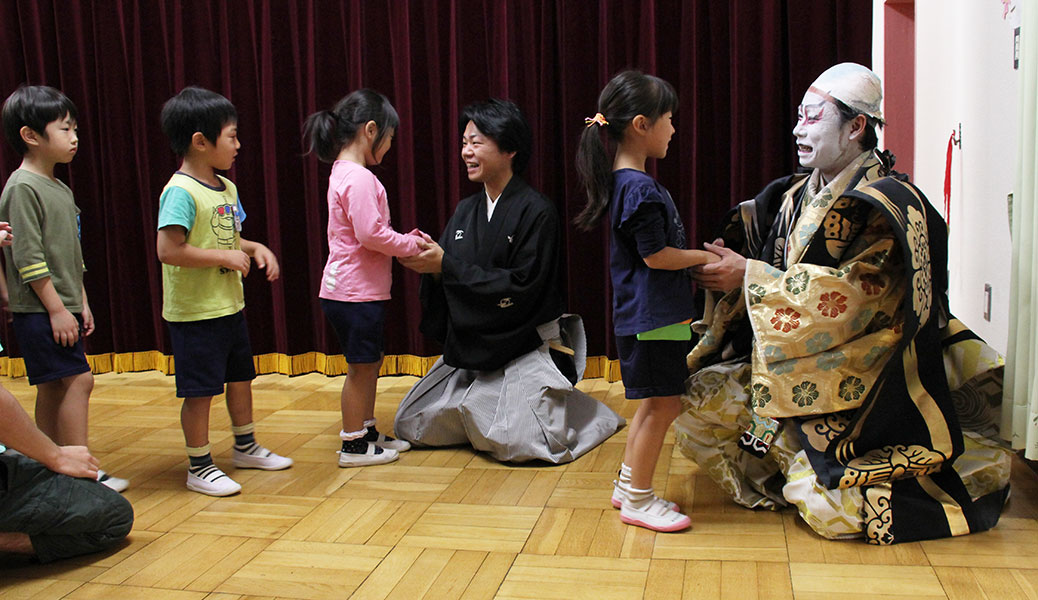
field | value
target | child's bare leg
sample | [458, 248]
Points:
[248, 453]
[203, 475]
[357, 400]
[239, 402]
[194, 420]
[654, 416]
[640, 506]
[62, 408]
[361, 443]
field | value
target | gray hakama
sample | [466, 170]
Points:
[524, 411]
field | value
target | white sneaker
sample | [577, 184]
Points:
[212, 482]
[384, 441]
[655, 515]
[258, 457]
[117, 484]
[620, 494]
[372, 456]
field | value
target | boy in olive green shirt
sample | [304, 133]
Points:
[45, 267]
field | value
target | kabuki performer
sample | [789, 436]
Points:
[830, 374]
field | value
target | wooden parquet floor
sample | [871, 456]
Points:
[454, 524]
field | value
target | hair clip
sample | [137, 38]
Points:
[599, 119]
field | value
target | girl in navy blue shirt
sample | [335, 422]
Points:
[652, 293]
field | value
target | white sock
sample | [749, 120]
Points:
[639, 498]
[351, 435]
[625, 474]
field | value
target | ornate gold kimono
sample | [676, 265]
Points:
[831, 379]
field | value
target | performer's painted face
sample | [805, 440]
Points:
[822, 139]
[484, 160]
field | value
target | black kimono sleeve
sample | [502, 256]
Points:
[499, 281]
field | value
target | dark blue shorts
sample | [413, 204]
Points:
[359, 326]
[209, 353]
[652, 368]
[45, 359]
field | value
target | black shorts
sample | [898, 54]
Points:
[209, 353]
[652, 368]
[45, 359]
[359, 326]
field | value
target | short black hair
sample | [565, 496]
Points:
[870, 140]
[195, 109]
[34, 106]
[503, 122]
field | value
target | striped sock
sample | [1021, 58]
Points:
[200, 458]
[244, 437]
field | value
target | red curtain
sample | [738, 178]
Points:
[740, 68]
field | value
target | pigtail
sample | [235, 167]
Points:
[321, 135]
[596, 175]
[627, 95]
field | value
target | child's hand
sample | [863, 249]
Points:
[236, 260]
[88, 320]
[65, 328]
[265, 259]
[6, 235]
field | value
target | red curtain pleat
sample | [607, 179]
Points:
[740, 68]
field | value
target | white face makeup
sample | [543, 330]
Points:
[823, 140]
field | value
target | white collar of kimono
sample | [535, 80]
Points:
[491, 203]
[815, 186]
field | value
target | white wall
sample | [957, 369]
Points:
[964, 74]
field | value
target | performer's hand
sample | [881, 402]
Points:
[724, 275]
[429, 260]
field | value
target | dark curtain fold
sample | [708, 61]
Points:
[740, 68]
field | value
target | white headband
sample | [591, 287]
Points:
[854, 85]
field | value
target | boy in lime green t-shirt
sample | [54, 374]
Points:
[204, 259]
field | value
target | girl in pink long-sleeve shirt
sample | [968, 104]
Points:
[355, 134]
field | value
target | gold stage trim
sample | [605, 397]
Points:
[310, 362]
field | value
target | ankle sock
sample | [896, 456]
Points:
[200, 457]
[244, 436]
[355, 442]
[372, 433]
[639, 498]
[625, 474]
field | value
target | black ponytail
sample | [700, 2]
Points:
[627, 95]
[326, 132]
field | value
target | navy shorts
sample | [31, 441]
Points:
[45, 359]
[209, 353]
[359, 326]
[653, 368]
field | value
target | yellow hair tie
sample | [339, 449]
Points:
[599, 119]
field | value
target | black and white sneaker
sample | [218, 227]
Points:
[117, 484]
[384, 441]
[360, 453]
[255, 456]
[210, 480]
